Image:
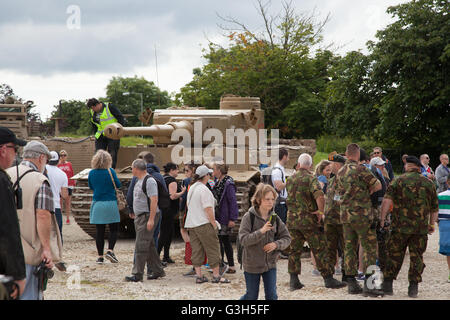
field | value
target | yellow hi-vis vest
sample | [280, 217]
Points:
[106, 118]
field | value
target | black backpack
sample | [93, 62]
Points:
[163, 194]
[240, 248]
[266, 174]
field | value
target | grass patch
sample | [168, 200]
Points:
[135, 140]
[319, 156]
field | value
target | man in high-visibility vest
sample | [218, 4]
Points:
[102, 115]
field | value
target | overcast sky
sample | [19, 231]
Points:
[44, 57]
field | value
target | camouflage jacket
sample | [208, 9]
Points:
[353, 183]
[414, 198]
[303, 190]
[332, 208]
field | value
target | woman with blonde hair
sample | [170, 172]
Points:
[104, 209]
[323, 173]
[262, 242]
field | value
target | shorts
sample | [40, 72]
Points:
[444, 237]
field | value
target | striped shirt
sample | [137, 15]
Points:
[444, 205]
[44, 197]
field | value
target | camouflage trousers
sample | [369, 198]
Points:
[315, 237]
[397, 244]
[359, 231]
[334, 235]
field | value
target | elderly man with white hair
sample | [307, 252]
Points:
[41, 239]
[305, 222]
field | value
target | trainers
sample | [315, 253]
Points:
[361, 276]
[111, 257]
[222, 269]
[316, 273]
[100, 260]
[191, 273]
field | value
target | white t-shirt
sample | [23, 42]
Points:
[198, 199]
[277, 176]
[58, 179]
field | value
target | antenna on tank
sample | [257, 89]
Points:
[157, 78]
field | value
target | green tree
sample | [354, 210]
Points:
[153, 97]
[350, 108]
[411, 75]
[274, 65]
[75, 116]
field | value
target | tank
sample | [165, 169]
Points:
[13, 115]
[184, 132]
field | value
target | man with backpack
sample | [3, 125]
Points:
[146, 216]
[163, 192]
[278, 181]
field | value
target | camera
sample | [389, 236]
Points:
[42, 270]
[9, 284]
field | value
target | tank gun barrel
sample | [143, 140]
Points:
[116, 131]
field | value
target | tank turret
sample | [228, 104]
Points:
[234, 112]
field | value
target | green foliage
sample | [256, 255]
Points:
[350, 108]
[152, 96]
[329, 143]
[275, 66]
[75, 116]
[411, 75]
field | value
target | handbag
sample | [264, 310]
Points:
[121, 201]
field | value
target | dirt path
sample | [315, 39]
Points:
[106, 282]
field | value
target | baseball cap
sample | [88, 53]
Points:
[413, 159]
[38, 147]
[54, 158]
[6, 135]
[335, 157]
[377, 161]
[203, 171]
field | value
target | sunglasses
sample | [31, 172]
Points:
[377, 152]
[63, 155]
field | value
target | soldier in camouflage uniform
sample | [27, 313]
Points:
[415, 212]
[333, 227]
[305, 212]
[354, 185]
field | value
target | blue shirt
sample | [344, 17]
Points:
[100, 181]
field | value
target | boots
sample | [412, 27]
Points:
[413, 289]
[387, 287]
[332, 283]
[294, 283]
[353, 286]
[371, 292]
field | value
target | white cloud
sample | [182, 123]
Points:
[44, 61]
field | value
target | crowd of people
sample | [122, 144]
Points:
[354, 215]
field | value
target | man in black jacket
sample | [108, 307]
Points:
[12, 261]
[102, 115]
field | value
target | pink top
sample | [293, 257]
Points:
[67, 168]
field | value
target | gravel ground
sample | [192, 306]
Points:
[106, 282]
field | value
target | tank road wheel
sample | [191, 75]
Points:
[244, 193]
[81, 206]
